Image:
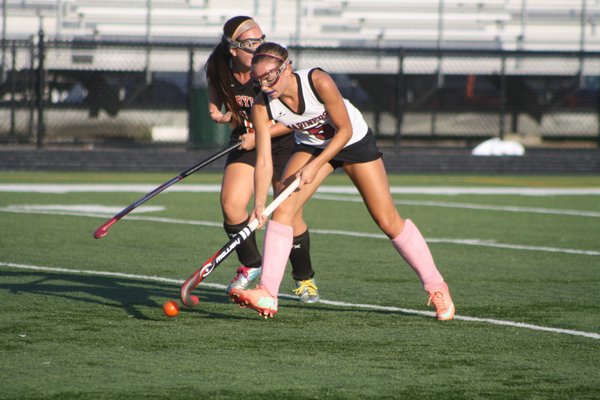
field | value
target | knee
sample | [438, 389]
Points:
[233, 211]
[285, 213]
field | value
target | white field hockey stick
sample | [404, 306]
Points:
[209, 266]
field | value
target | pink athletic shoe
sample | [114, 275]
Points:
[444, 307]
[258, 299]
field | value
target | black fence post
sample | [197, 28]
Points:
[31, 89]
[13, 89]
[501, 127]
[190, 94]
[400, 96]
[598, 119]
[41, 128]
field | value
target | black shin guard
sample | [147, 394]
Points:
[300, 257]
[247, 251]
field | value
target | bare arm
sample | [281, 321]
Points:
[279, 130]
[276, 129]
[263, 171]
[336, 109]
[215, 102]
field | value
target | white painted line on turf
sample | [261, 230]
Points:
[100, 209]
[329, 189]
[155, 278]
[81, 208]
[60, 189]
[465, 242]
[471, 206]
[17, 210]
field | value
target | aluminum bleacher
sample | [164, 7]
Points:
[502, 24]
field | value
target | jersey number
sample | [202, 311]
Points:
[323, 132]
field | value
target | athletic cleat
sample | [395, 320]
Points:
[444, 307]
[307, 290]
[258, 299]
[245, 276]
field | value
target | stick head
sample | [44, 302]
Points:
[100, 232]
[190, 284]
[191, 301]
[103, 230]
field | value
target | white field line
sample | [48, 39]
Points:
[471, 206]
[328, 189]
[492, 321]
[464, 242]
[325, 193]
[82, 208]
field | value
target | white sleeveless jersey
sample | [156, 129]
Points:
[312, 126]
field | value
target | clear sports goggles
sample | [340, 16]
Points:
[247, 45]
[271, 77]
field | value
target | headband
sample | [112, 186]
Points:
[272, 56]
[243, 27]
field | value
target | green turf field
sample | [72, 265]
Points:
[82, 318]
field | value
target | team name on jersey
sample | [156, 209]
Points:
[309, 123]
[244, 101]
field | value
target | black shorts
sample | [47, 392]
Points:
[365, 150]
[281, 149]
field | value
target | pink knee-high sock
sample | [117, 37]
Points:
[412, 247]
[277, 247]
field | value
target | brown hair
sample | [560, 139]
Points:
[218, 71]
[270, 50]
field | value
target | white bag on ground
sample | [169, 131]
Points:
[499, 147]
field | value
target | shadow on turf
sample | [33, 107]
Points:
[129, 294]
[132, 295]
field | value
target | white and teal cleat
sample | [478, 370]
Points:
[245, 276]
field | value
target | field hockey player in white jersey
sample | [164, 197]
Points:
[330, 133]
[231, 88]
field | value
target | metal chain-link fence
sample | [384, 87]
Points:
[118, 93]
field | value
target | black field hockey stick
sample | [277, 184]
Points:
[103, 229]
[209, 266]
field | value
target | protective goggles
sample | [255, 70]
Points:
[270, 78]
[247, 45]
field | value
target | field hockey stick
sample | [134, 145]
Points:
[209, 266]
[103, 229]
